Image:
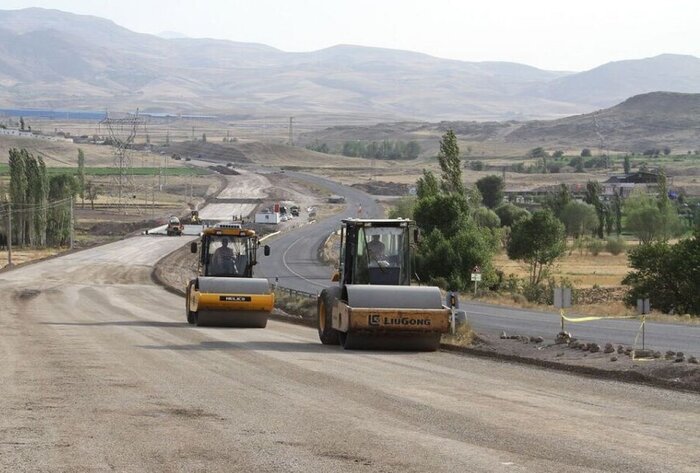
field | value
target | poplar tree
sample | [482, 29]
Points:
[81, 176]
[18, 192]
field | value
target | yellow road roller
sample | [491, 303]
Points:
[374, 305]
[225, 293]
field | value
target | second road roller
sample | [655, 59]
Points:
[374, 305]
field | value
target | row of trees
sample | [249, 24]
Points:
[381, 149]
[40, 205]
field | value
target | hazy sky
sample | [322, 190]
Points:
[551, 34]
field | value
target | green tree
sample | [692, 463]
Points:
[91, 192]
[538, 241]
[509, 214]
[648, 220]
[538, 152]
[586, 153]
[578, 218]
[412, 150]
[617, 210]
[627, 165]
[492, 190]
[452, 259]
[445, 212]
[18, 192]
[62, 187]
[81, 176]
[669, 275]
[486, 218]
[204, 137]
[403, 208]
[593, 193]
[556, 201]
[450, 164]
[21, 123]
[427, 185]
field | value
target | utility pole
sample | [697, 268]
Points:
[291, 131]
[9, 235]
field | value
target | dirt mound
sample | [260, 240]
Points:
[225, 170]
[383, 188]
[209, 151]
[122, 228]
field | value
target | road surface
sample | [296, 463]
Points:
[294, 261]
[100, 372]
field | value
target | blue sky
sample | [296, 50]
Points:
[551, 34]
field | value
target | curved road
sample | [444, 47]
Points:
[294, 261]
[100, 372]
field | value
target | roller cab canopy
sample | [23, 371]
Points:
[376, 251]
[228, 250]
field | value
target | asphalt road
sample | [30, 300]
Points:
[294, 260]
[100, 372]
[295, 263]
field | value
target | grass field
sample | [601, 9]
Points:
[582, 270]
[110, 171]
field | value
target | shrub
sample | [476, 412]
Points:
[595, 246]
[615, 246]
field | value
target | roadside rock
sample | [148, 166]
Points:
[609, 348]
[693, 360]
[613, 358]
[593, 347]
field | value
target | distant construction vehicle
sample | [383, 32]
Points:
[175, 227]
[225, 292]
[374, 305]
[194, 217]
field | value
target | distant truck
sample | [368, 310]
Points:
[174, 227]
[336, 199]
[294, 210]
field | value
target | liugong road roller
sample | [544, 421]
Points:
[374, 305]
[225, 292]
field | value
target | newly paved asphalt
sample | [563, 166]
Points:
[294, 264]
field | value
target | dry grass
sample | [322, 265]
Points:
[464, 336]
[20, 255]
[301, 306]
[582, 270]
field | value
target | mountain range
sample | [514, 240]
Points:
[51, 59]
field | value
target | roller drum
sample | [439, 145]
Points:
[395, 297]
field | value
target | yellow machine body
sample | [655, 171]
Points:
[225, 292]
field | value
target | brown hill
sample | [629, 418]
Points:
[641, 122]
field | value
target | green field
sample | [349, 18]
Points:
[110, 171]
